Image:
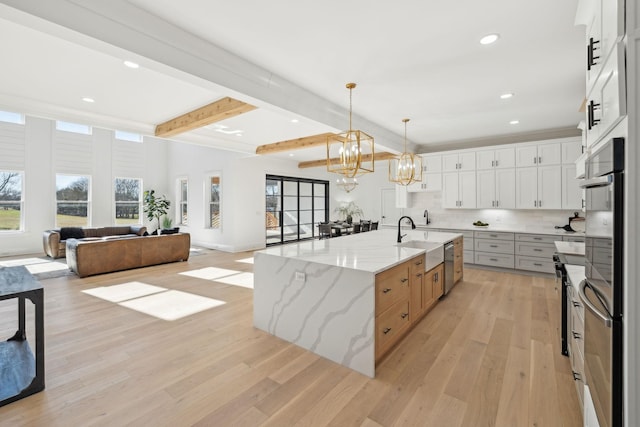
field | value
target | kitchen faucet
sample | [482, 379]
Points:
[426, 215]
[413, 226]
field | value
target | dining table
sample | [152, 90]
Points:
[341, 227]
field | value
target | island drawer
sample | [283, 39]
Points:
[495, 260]
[392, 286]
[496, 235]
[535, 249]
[573, 238]
[390, 326]
[536, 238]
[495, 246]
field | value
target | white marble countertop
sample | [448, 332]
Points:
[372, 251]
[528, 229]
[575, 274]
[570, 248]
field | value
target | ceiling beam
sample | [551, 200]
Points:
[365, 158]
[222, 109]
[294, 144]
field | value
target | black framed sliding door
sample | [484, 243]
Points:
[293, 208]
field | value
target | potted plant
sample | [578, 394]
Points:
[348, 211]
[155, 206]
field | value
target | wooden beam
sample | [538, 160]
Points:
[222, 109]
[367, 157]
[294, 144]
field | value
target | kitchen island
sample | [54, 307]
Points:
[348, 299]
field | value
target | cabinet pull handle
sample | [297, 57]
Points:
[386, 290]
[539, 203]
[537, 264]
[591, 108]
[386, 331]
[537, 249]
[539, 160]
[497, 203]
[535, 160]
[535, 203]
[576, 335]
[418, 263]
[493, 246]
[404, 279]
[435, 277]
[493, 163]
[496, 163]
[419, 275]
[404, 315]
[493, 235]
[537, 238]
[576, 304]
[493, 259]
[591, 58]
[576, 376]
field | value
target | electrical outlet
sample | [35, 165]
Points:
[300, 276]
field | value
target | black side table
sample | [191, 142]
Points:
[20, 374]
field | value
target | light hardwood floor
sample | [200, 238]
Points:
[486, 355]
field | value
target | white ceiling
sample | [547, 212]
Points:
[415, 58]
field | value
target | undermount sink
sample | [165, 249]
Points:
[434, 254]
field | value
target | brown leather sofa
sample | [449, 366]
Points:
[89, 257]
[54, 241]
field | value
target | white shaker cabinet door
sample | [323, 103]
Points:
[526, 156]
[485, 160]
[550, 187]
[450, 163]
[506, 188]
[549, 154]
[505, 158]
[467, 161]
[486, 187]
[432, 163]
[527, 188]
[467, 189]
[450, 190]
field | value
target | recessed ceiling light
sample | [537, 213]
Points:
[514, 122]
[489, 38]
[506, 96]
[294, 120]
[89, 100]
[131, 64]
[238, 134]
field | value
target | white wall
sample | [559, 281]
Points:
[48, 151]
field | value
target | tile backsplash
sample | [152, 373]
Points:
[432, 201]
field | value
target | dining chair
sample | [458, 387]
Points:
[356, 227]
[365, 226]
[374, 225]
[324, 231]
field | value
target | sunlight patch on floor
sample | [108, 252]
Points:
[246, 260]
[243, 279]
[37, 265]
[125, 291]
[171, 305]
[210, 273]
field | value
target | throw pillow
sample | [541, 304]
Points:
[71, 233]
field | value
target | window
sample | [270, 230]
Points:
[214, 201]
[183, 188]
[128, 136]
[73, 127]
[11, 202]
[9, 117]
[72, 199]
[128, 199]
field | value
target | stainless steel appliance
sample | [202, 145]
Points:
[448, 267]
[602, 290]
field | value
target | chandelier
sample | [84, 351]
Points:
[406, 168]
[347, 184]
[350, 153]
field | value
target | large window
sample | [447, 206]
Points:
[214, 201]
[183, 188]
[128, 200]
[11, 200]
[72, 198]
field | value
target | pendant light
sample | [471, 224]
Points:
[406, 168]
[350, 153]
[347, 184]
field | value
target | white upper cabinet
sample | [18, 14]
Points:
[459, 190]
[539, 187]
[501, 158]
[465, 161]
[496, 188]
[538, 155]
[571, 150]
[431, 163]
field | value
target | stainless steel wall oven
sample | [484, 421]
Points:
[602, 290]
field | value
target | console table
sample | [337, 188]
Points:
[21, 374]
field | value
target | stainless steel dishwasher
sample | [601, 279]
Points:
[448, 267]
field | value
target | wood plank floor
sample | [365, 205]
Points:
[487, 355]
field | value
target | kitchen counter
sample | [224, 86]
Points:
[570, 248]
[321, 294]
[529, 229]
[372, 251]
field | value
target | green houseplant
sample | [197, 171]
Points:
[155, 206]
[349, 210]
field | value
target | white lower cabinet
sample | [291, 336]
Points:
[539, 187]
[459, 190]
[496, 188]
[535, 252]
[494, 249]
